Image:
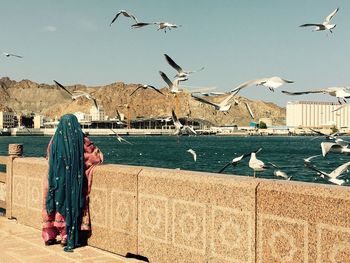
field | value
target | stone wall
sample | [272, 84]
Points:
[184, 216]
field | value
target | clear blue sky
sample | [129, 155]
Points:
[234, 40]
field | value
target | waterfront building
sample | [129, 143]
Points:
[6, 119]
[81, 116]
[97, 114]
[317, 114]
[38, 121]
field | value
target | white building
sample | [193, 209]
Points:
[81, 116]
[317, 114]
[38, 121]
[97, 114]
[6, 120]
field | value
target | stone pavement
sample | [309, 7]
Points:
[19, 243]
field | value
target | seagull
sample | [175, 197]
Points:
[76, 94]
[256, 164]
[181, 129]
[146, 87]
[333, 176]
[280, 173]
[249, 110]
[223, 106]
[337, 147]
[174, 86]
[338, 92]
[272, 83]
[326, 24]
[11, 55]
[124, 13]
[307, 161]
[161, 25]
[181, 73]
[236, 160]
[331, 136]
[120, 139]
[193, 154]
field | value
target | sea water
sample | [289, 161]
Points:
[213, 152]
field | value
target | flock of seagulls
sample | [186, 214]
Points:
[338, 146]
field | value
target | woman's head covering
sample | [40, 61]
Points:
[66, 174]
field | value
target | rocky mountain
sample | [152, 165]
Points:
[29, 97]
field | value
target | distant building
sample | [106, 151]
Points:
[38, 121]
[317, 114]
[6, 120]
[97, 114]
[81, 116]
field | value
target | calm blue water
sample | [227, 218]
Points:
[212, 153]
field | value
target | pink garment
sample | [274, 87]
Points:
[54, 224]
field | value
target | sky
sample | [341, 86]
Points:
[236, 41]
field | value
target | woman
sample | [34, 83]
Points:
[72, 158]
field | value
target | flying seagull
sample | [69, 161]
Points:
[331, 136]
[236, 160]
[173, 86]
[326, 23]
[124, 13]
[337, 147]
[249, 110]
[120, 139]
[271, 83]
[279, 172]
[181, 73]
[338, 92]
[223, 106]
[146, 87]
[76, 94]
[334, 176]
[161, 25]
[193, 154]
[11, 55]
[181, 129]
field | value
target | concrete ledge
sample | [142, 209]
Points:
[113, 208]
[27, 190]
[188, 216]
[302, 222]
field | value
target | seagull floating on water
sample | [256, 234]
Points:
[193, 154]
[272, 83]
[326, 23]
[76, 94]
[146, 87]
[181, 73]
[338, 92]
[124, 13]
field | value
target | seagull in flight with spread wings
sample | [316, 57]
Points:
[161, 25]
[173, 86]
[120, 139]
[124, 13]
[11, 55]
[146, 87]
[272, 83]
[326, 25]
[338, 92]
[223, 106]
[76, 94]
[181, 73]
[181, 129]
